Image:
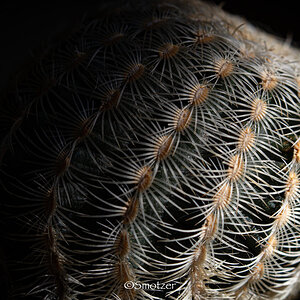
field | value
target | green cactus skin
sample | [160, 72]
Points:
[157, 145]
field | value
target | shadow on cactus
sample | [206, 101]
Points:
[154, 154]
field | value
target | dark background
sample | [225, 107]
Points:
[24, 27]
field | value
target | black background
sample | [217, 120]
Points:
[24, 27]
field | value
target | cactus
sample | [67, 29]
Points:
[154, 154]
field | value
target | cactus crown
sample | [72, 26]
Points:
[158, 144]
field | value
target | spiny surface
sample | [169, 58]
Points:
[157, 144]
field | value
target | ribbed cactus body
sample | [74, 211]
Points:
[154, 154]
